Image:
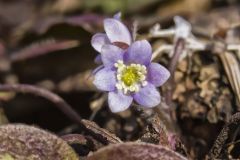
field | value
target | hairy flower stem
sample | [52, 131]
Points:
[178, 49]
[60, 104]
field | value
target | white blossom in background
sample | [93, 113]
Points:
[182, 29]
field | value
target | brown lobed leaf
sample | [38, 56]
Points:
[23, 142]
[135, 151]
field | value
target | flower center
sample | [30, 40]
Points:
[130, 77]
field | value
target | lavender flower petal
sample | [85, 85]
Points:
[118, 101]
[105, 79]
[148, 96]
[117, 31]
[157, 74]
[111, 54]
[139, 52]
[98, 40]
[97, 69]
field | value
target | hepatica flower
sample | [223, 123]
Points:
[128, 75]
[116, 34]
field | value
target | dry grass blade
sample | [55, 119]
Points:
[232, 70]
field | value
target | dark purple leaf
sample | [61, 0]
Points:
[135, 151]
[27, 142]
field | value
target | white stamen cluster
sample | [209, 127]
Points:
[140, 81]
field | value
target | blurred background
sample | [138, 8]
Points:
[47, 43]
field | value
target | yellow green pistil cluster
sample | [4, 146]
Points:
[130, 77]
